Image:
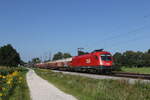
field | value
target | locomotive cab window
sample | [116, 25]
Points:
[106, 57]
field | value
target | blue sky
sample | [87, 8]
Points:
[39, 27]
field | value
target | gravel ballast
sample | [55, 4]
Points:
[41, 89]
[130, 80]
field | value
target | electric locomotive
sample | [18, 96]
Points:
[98, 60]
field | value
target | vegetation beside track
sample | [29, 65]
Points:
[93, 89]
[132, 58]
[13, 84]
[143, 70]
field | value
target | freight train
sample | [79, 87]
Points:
[96, 61]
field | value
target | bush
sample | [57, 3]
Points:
[9, 78]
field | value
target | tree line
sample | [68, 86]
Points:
[9, 56]
[127, 58]
[57, 56]
[132, 59]
[61, 55]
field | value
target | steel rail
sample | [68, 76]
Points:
[131, 75]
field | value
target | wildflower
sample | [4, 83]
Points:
[15, 73]
[8, 82]
[3, 88]
[0, 76]
[4, 76]
[1, 94]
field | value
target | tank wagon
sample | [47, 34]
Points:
[98, 60]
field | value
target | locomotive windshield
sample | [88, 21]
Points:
[106, 57]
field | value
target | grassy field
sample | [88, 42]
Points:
[13, 84]
[144, 70]
[93, 89]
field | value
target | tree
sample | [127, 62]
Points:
[35, 60]
[61, 55]
[67, 55]
[82, 53]
[58, 55]
[130, 58]
[118, 59]
[146, 59]
[139, 59]
[148, 51]
[9, 56]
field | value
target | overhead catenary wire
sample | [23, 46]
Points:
[123, 35]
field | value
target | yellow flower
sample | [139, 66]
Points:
[1, 94]
[4, 76]
[10, 78]
[15, 73]
[8, 82]
[0, 76]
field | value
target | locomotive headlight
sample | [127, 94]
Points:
[100, 60]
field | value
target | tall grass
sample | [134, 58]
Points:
[13, 84]
[21, 91]
[143, 70]
[84, 88]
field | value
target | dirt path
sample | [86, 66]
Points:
[40, 89]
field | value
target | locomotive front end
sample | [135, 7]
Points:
[106, 61]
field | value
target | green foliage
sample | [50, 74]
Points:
[149, 51]
[9, 56]
[10, 79]
[21, 91]
[67, 55]
[82, 53]
[61, 55]
[132, 59]
[36, 60]
[33, 62]
[118, 59]
[58, 55]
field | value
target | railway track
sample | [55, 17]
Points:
[132, 78]
[131, 75]
[119, 74]
[124, 75]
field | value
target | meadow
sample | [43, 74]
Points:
[141, 70]
[84, 88]
[13, 84]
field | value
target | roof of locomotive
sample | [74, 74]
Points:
[94, 53]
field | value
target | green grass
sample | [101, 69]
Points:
[84, 88]
[21, 92]
[144, 70]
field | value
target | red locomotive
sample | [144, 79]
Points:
[97, 60]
